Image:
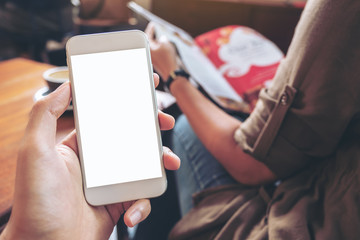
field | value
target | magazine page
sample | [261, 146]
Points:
[201, 69]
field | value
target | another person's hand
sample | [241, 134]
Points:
[49, 202]
[163, 53]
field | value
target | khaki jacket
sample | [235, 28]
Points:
[306, 129]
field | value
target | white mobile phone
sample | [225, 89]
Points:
[116, 118]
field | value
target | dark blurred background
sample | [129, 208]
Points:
[38, 29]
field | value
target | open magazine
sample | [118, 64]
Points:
[231, 64]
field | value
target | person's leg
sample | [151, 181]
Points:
[199, 169]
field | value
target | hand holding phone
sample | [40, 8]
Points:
[48, 180]
[115, 114]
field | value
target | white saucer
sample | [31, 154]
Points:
[45, 91]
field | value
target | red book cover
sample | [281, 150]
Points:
[245, 58]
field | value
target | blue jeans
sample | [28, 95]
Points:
[199, 169]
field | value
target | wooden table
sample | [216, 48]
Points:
[20, 79]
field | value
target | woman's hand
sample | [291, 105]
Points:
[163, 53]
[49, 202]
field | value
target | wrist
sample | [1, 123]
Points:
[15, 230]
[174, 76]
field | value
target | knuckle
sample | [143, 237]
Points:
[39, 106]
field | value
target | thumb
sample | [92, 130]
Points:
[150, 31]
[43, 117]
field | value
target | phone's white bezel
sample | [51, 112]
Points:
[104, 42]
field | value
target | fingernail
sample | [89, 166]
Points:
[170, 152]
[135, 217]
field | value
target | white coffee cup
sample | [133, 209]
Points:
[56, 76]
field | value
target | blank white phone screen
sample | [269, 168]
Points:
[116, 117]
